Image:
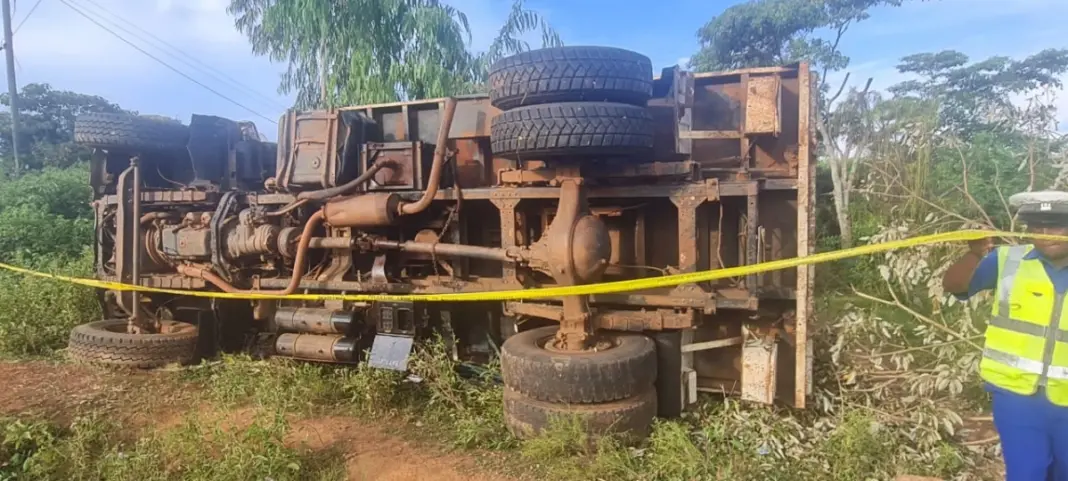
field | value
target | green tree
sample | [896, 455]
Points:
[46, 125]
[981, 96]
[46, 214]
[764, 33]
[363, 51]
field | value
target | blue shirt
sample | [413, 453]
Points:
[986, 274]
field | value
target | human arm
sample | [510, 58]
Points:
[975, 271]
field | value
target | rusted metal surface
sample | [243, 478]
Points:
[312, 320]
[806, 226]
[315, 347]
[613, 319]
[367, 210]
[687, 237]
[308, 155]
[408, 159]
[763, 105]
[124, 239]
[473, 166]
[167, 197]
[575, 254]
[731, 185]
[447, 250]
[331, 243]
[433, 182]
[162, 281]
[709, 189]
[508, 236]
[759, 355]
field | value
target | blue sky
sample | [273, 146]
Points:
[58, 46]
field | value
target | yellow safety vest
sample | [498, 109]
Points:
[1026, 343]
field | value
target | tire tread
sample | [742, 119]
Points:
[566, 74]
[617, 373]
[125, 131]
[574, 129]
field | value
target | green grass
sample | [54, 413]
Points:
[466, 413]
[92, 448]
[37, 314]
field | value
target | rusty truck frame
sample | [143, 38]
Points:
[414, 197]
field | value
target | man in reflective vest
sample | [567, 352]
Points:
[1025, 354]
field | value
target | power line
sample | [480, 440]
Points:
[209, 69]
[27, 17]
[165, 64]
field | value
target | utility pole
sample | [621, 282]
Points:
[12, 86]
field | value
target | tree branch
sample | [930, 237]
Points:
[927, 320]
[839, 92]
[965, 189]
[834, 48]
[920, 348]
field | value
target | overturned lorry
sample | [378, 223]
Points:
[578, 167]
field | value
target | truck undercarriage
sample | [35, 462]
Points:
[579, 167]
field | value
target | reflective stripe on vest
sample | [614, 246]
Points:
[1029, 365]
[1025, 327]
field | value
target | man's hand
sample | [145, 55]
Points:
[981, 247]
[958, 278]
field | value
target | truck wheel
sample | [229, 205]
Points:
[625, 369]
[107, 343]
[574, 130]
[129, 132]
[631, 417]
[567, 74]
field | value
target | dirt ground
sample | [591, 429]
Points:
[372, 452]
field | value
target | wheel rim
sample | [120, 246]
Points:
[600, 344]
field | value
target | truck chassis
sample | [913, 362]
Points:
[578, 167]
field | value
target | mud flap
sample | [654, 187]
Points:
[391, 352]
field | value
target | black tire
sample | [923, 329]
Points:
[624, 370]
[106, 343]
[129, 132]
[573, 129]
[629, 418]
[568, 74]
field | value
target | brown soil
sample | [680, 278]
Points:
[59, 391]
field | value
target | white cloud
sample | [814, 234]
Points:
[58, 45]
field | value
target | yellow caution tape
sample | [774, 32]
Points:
[586, 289]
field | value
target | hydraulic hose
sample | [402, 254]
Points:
[439, 158]
[347, 187]
[325, 194]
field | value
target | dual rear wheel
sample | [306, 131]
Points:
[609, 390]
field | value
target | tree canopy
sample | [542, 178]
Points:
[364, 51]
[984, 95]
[762, 33]
[46, 125]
